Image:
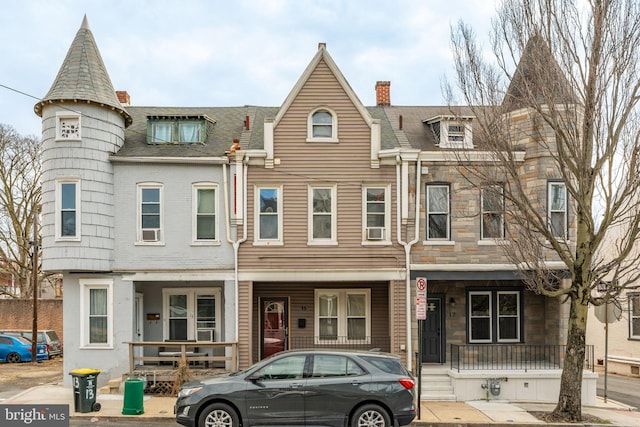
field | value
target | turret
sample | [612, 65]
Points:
[82, 124]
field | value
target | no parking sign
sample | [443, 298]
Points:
[421, 298]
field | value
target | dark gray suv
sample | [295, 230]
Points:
[304, 387]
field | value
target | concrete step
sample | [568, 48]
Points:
[436, 385]
[439, 397]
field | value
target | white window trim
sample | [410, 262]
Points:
[85, 286]
[192, 294]
[194, 224]
[631, 298]
[498, 316]
[257, 241]
[482, 212]
[61, 115]
[333, 241]
[490, 339]
[439, 240]
[58, 210]
[565, 211]
[334, 125]
[387, 215]
[342, 312]
[140, 186]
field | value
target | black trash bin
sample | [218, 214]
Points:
[85, 389]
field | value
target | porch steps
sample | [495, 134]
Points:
[436, 384]
[112, 387]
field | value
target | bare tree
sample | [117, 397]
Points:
[20, 192]
[562, 88]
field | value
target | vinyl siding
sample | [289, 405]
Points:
[301, 163]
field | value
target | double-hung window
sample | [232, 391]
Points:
[322, 126]
[438, 218]
[492, 202]
[96, 310]
[268, 223]
[343, 315]
[494, 316]
[68, 209]
[150, 213]
[634, 315]
[322, 215]
[377, 213]
[192, 314]
[557, 209]
[205, 221]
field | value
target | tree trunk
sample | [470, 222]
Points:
[569, 407]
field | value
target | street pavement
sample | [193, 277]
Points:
[432, 414]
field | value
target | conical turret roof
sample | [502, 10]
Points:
[538, 78]
[83, 77]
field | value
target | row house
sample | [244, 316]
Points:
[226, 234]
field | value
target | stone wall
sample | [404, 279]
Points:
[17, 314]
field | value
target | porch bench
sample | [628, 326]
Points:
[188, 354]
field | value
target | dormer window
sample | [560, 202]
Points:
[322, 126]
[176, 129]
[452, 131]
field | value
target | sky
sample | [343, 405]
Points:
[208, 53]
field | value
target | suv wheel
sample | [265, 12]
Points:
[218, 415]
[370, 416]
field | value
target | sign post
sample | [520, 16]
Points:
[421, 314]
[421, 298]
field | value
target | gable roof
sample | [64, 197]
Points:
[538, 78]
[83, 77]
[323, 55]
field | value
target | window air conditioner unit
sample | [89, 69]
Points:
[205, 335]
[151, 235]
[375, 233]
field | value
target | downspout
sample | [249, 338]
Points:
[407, 250]
[236, 243]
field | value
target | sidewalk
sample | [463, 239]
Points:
[433, 414]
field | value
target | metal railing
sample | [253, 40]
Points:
[382, 343]
[513, 357]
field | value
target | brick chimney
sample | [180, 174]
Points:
[123, 97]
[383, 94]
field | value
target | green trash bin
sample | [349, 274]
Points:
[133, 397]
[85, 385]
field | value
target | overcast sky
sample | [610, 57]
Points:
[228, 52]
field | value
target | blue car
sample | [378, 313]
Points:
[18, 349]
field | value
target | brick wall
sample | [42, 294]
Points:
[18, 314]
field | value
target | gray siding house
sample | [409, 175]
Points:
[133, 217]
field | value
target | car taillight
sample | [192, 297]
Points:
[47, 348]
[407, 383]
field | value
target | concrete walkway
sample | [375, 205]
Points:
[476, 413]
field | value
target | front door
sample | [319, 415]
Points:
[433, 332]
[275, 325]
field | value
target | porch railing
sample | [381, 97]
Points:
[382, 343]
[513, 357]
[185, 351]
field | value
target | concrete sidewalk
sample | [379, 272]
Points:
[476, 413]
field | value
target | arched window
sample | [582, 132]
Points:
[323, 126]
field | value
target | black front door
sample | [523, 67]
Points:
[433, 332]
